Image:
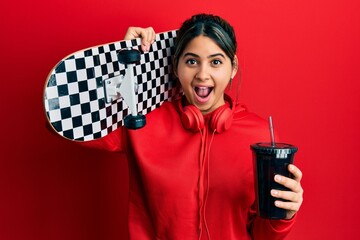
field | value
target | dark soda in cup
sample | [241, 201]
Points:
[270, 159]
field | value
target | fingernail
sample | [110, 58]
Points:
[277, 203]
[145, 48]
[291, 167]
[274, 192]
[278, 178]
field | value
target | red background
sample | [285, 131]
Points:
[300, 64]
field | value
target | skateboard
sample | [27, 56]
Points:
[94, 91]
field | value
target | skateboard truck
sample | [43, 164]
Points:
[124, 86]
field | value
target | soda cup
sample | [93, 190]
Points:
[270, 159]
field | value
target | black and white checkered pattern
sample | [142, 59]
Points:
[74, 93]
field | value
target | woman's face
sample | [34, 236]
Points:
[204, 71]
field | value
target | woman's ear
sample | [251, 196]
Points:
[235, 66]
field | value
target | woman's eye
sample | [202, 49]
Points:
[191, 61]
[216, 62]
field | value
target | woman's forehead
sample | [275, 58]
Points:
[203, 45]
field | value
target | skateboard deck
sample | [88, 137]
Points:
[89, 93]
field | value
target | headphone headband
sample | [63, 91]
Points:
[221, 119]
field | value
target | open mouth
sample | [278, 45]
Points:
[203, 92]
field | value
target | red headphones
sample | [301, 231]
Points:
[220, 121]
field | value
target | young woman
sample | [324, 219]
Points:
[191, 172]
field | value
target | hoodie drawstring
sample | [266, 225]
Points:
[204, 175]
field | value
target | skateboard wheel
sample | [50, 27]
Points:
[129, 56]
[134, 122]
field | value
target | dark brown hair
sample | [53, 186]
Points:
[210, 26]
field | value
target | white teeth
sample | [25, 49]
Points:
[203, 91]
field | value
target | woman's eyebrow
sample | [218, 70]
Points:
[216, 55]
[210, 56]
[191, 54]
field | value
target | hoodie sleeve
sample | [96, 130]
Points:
[261, 228]
[113, 142]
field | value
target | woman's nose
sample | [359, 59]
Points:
[203, 73]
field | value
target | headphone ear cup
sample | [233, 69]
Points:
[222, 119]
[192, 118]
